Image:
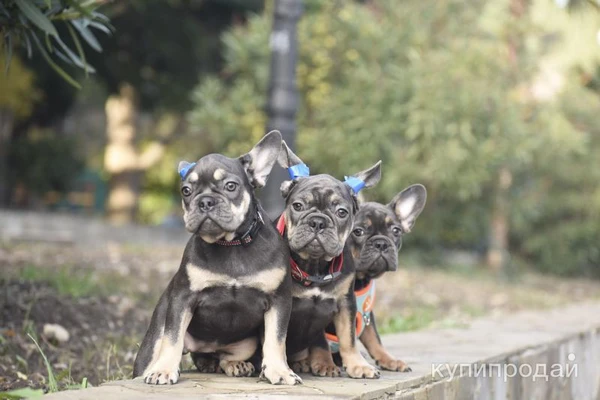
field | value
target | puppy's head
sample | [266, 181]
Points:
[378, 229]
[218, 192]
[319, 210]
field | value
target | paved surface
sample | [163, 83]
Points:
[526, 337]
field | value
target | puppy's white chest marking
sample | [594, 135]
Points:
[304, 293]
[266, 281]
[338, 291]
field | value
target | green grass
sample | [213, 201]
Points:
[67, 281]
[415, 320]
[52, 384]
[53, 380]
[422, 317]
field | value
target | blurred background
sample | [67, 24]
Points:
[493, 105]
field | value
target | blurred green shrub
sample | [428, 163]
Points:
[43, 161]
[429, 90]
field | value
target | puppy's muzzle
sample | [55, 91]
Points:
[317, 223]
[206, 203]
[381, 246]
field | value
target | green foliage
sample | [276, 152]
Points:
[558, 223]
[18, 94]
[32, 25]
[432, 91]
[163, 47]
[160, 191]
[44, 161]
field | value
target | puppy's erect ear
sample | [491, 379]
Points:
[260, 160]
[287, 158]
[408, 204]
[365, 179]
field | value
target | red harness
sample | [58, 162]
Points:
[335, 266]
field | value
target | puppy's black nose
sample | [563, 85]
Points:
[317, 224]
[207, 203]
[381, 244]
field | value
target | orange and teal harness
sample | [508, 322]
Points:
[365, 299]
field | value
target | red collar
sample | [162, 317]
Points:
[301, 276]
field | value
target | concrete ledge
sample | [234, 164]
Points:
[455, 364]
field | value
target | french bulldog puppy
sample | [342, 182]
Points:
[374, 244]
[233, 286]
[317, 219]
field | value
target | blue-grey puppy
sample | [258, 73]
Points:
[374, 244]
[233, 286]
[318, 218]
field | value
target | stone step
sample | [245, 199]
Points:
[476, 362]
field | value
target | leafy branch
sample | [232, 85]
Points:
[32, 24]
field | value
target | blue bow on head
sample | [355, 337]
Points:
[356, 184]
[298, 171]
[185, 170]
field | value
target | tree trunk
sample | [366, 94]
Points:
[121, 158]
[497, 254]
[7, 120]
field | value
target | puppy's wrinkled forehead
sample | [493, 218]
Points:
[321, 191]
[375, 215]
[214, 168]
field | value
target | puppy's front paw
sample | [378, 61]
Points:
[362, 371]
[162, 377]
[390, 364]
[279, 375]
[237, 368]
[325, 369]
[301, 366]
[205, 364]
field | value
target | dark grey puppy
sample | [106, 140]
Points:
[374, 244]
[318, 217]
[233, 285]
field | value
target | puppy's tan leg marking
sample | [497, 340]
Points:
[356, 365]
[165, 370]
[384, 359]
[236, 368]
[274, 365]
[299, 362]
[321, 363]
[234, 363]
[301, 366]
[155, 350]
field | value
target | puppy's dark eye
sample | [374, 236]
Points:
[358, 232]
[396, 231]
[342, 213]
[186, 191]
[297, 206]
[231, 186]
